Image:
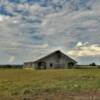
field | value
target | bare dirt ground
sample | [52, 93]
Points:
[66, 96]
[59, 95]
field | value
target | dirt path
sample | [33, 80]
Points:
[59, 95]
[68, 96]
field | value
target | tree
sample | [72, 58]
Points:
[93, 64]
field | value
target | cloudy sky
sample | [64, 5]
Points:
[30, 29]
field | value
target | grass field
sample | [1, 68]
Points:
[20, 82]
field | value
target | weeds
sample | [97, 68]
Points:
[24, 82]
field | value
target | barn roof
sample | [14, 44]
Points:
[58, 51]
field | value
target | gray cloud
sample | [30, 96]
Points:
[34, 30]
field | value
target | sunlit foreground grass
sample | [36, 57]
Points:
[21, 81]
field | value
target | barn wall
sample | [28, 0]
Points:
[29, 65]
[54, 60]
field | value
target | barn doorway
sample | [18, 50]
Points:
[41, 65]
[70, 65]
[51, 65]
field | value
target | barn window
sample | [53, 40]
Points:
[51, 65]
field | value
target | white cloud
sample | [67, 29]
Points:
[30, 8]
[36, 30]
[85, 50]
[79, 44]
[12, 59]
[3, 18]
[62, 21]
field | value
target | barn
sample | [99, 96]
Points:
[55, 60]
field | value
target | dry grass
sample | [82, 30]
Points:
[18, 82]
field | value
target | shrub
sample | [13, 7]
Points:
[93, 64]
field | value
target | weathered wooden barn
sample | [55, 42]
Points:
[54, 60]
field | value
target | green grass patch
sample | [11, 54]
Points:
[21, 81]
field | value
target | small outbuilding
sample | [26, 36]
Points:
[55, 60]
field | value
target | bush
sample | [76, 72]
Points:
[85, 67]
[93, 64]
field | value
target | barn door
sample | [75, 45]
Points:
[41, 65]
